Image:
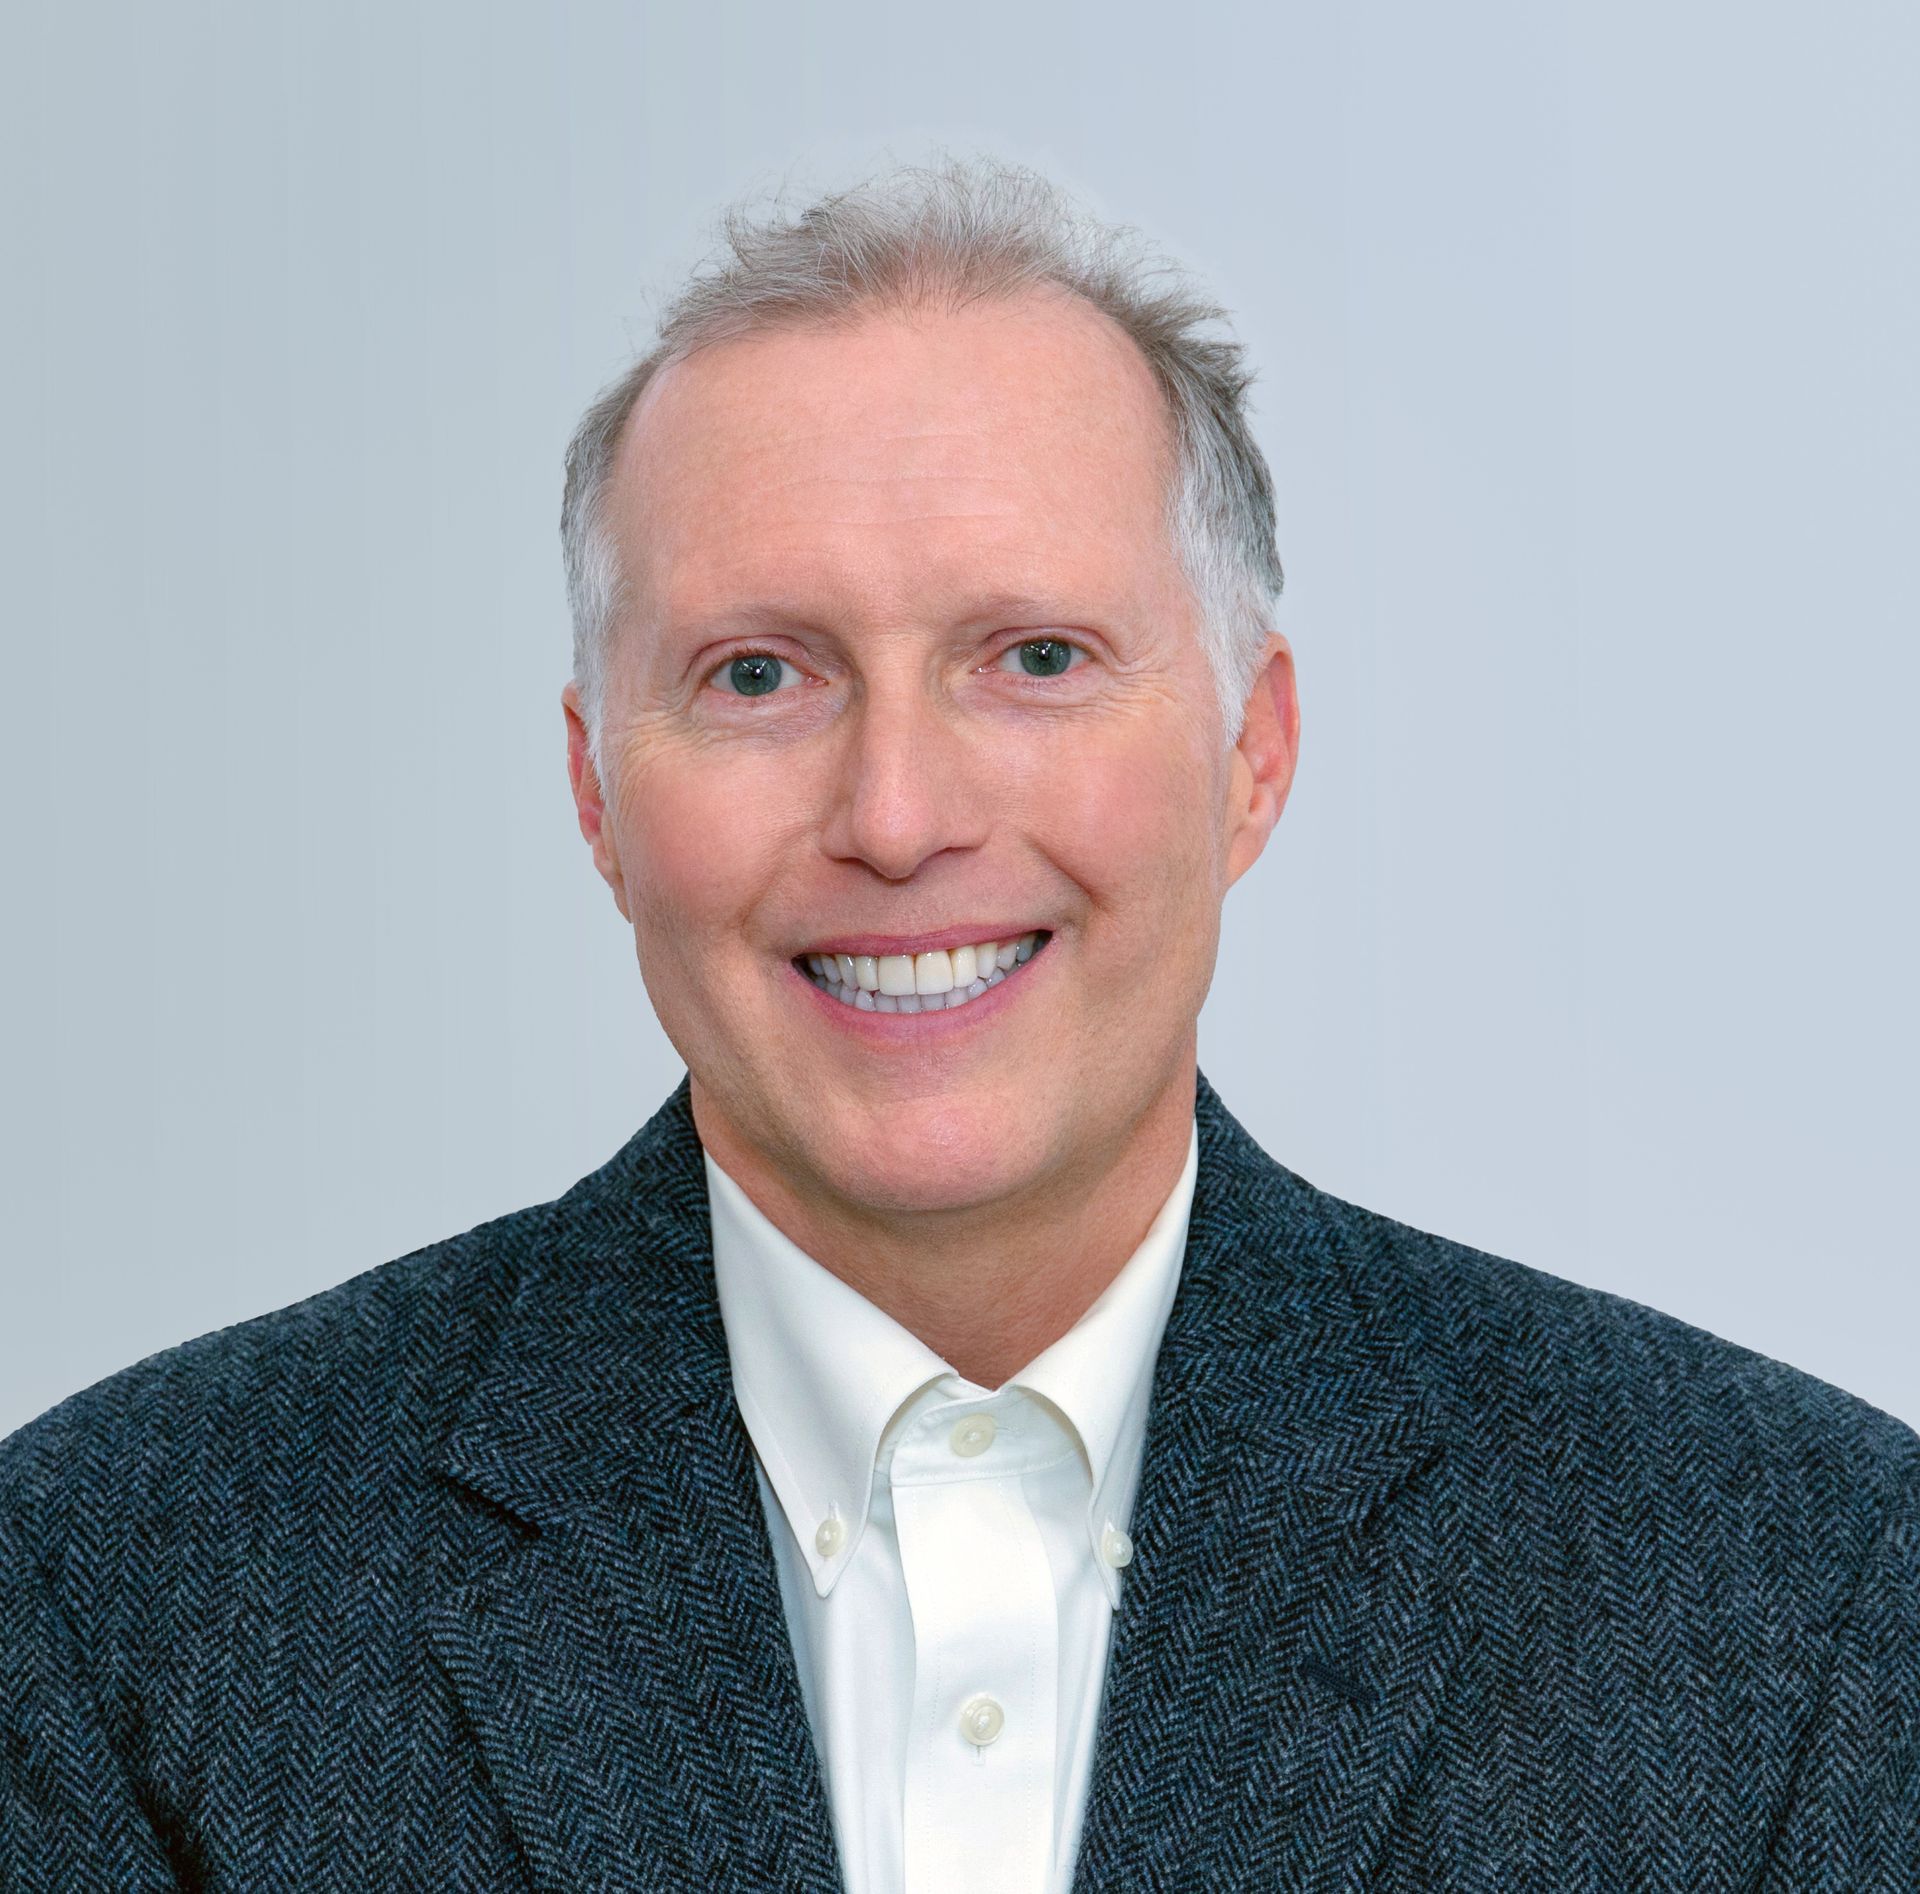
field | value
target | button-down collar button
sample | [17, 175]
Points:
[973, 1435]
[829, 1536]
[981, 1721]
[1115, 1547]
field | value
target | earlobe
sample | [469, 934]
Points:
[1264, 758]
[589, 799]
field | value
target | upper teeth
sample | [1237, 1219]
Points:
[957, 970]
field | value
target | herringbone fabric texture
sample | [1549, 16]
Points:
[1451, 1575]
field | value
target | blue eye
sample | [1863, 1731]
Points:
[1041, 657]
[751, 674]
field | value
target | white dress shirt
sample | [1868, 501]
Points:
[950, 1556]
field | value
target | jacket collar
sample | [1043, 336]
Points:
[615, 1629]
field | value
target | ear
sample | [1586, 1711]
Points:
[1264, 758]
[589, 799]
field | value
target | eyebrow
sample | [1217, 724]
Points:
[767, 615]
[1029, 607]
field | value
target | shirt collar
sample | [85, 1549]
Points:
[820, 1373]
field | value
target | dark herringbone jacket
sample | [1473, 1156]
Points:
[1451, 1575]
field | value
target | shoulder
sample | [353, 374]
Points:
[323, 1396]
[1625, 1432]
[317, 1424]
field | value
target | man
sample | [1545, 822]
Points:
[941, 1449]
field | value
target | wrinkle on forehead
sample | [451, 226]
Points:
[1039, 412]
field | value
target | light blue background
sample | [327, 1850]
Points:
[1588, 379]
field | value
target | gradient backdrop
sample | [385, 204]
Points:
[1587, 356]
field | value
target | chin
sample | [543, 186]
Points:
[926, 1162]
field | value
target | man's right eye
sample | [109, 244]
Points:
[753, 674]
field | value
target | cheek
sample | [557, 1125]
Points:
[700, 841]
[1131, 825]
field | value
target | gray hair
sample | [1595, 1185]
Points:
[956, 231]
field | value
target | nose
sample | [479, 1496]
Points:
[908, 783]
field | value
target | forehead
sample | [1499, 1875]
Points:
[1008, 444]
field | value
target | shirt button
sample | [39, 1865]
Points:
[973, 1435]
[829, 1536]
[1115, 1547]
[981, 1721]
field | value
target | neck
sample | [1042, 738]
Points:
[986, 1287]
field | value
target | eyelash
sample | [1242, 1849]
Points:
[1047, 638]
[733, 657]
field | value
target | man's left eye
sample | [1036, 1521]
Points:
[751, 674]
[1040, 657]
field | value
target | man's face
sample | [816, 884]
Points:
[973, 706]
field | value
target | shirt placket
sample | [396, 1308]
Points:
[978, 1791]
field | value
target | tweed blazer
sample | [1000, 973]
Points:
[1451, 1575]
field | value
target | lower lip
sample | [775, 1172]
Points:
[925, 1028]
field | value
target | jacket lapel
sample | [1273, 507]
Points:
[1296, 1604]
[613, 1627]
[612, 1623]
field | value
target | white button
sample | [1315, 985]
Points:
[829, 1537]
[981, 1721]
[973, 1435]
[1115, 1547]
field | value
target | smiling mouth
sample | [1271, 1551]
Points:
[920, 983]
